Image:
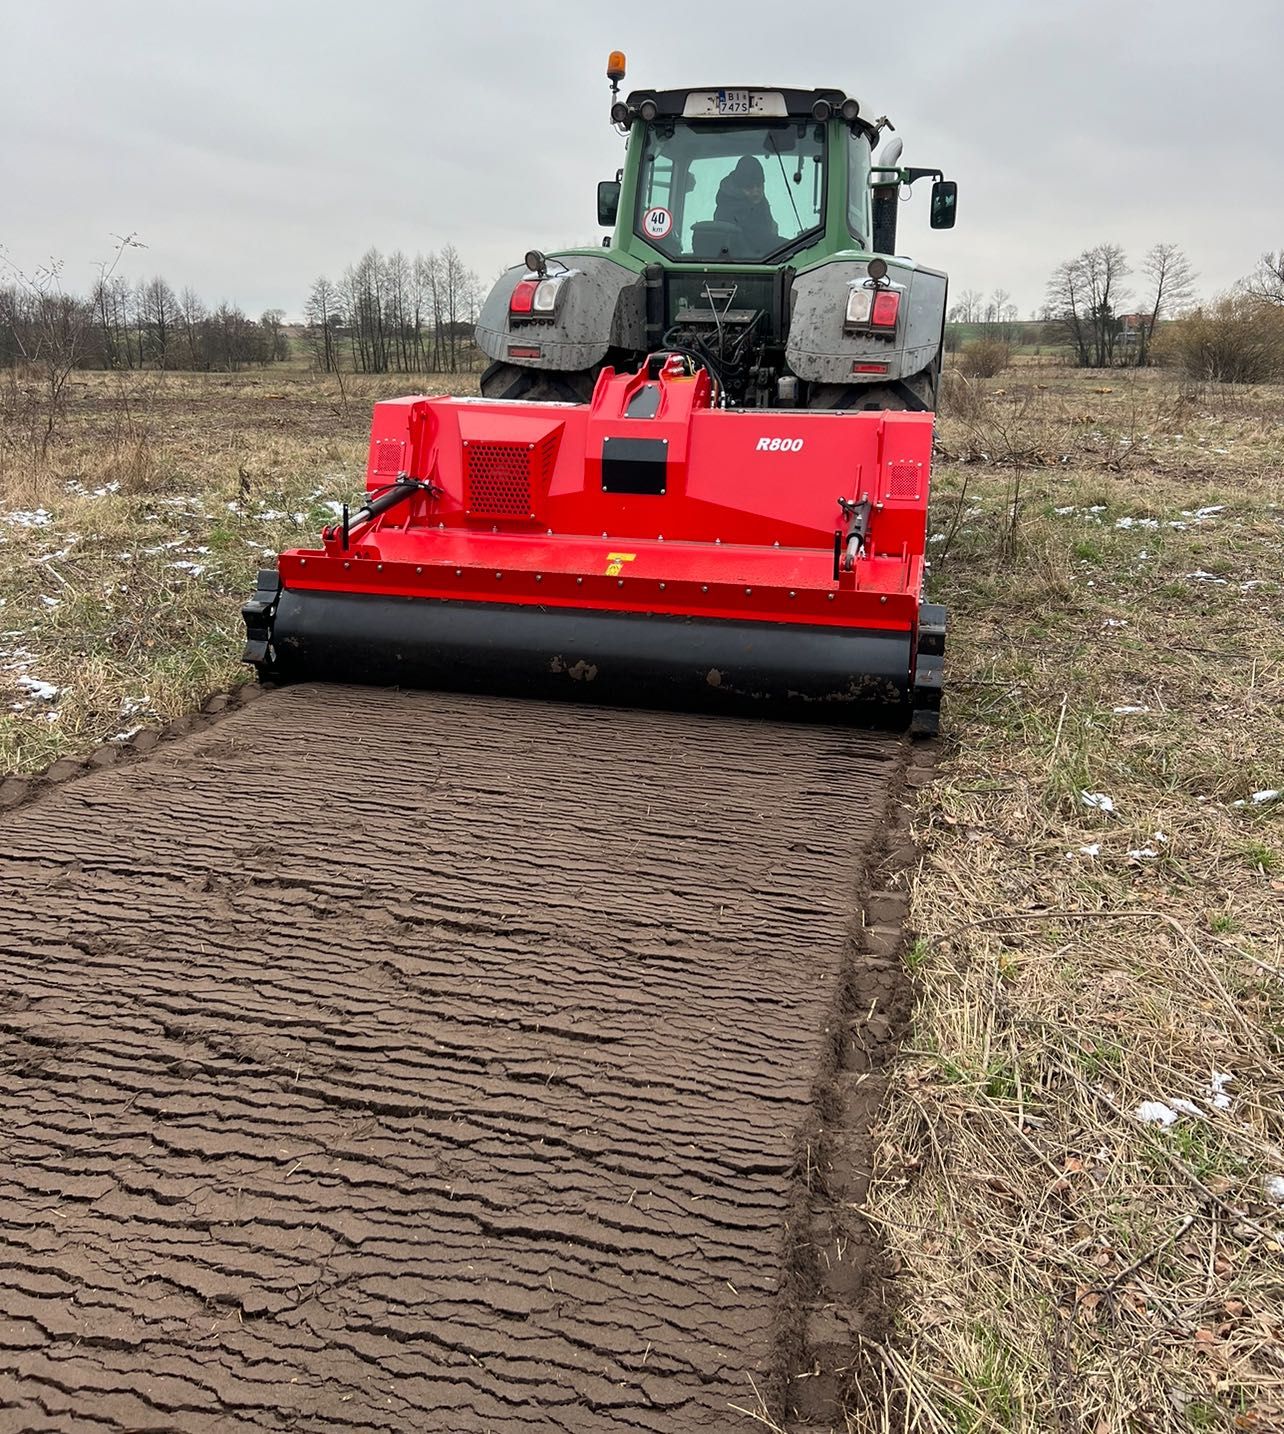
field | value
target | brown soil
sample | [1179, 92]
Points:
[416, 1062]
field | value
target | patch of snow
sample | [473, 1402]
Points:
[1217, 1084]
[1155, 1112]
[1143, 853]
[1061, 512]
[33, 518]
[1093, 848]
[1259, 799]
[1200, 576]
[337, 509]
[196, 569]
[1273, 1188]
[1136, 522]
[1115, 622]
[72, 540]
[1130, 711]
[75, 486]
[50, 601]
[1098, 801]
[935, 538]
[1161, 838]
[1187, 1107]
[41, 691]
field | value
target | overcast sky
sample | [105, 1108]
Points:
[254, 144]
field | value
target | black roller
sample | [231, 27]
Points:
[822, 673]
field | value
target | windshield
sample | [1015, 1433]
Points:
[735, 192]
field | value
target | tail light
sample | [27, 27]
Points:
[522, 298]
[887, 304]
[536, 298]
[872, 309]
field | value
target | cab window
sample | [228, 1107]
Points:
[738, 192]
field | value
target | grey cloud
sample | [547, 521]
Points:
[255, 145]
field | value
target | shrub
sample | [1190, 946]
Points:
[983, 358]
[1236, 339]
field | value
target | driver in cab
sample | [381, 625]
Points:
[741, 202]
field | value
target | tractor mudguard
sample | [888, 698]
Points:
[600, 307]
[819, 351]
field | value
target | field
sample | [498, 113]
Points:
[1078, 1190]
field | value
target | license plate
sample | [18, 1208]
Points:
[734, 102]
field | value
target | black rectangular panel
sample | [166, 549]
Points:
[634, 465]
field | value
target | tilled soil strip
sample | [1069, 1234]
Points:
[417, 1062]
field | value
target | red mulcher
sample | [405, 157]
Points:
[646, 548]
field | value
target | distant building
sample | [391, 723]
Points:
[1132, 327]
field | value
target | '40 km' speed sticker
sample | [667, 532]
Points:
[657, 222]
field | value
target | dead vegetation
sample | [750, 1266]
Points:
[126, 545]
[1082, 1175]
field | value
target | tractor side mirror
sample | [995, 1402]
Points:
[945, 194]
[608, 201]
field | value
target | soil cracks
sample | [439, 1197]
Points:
[414, 1062]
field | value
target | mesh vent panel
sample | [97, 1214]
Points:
[499, 480]
[503, 479]
[903, 480]
[388, 453]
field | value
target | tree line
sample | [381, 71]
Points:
[396, 314]
[119, 325]
[1100, 318]
[386, 314]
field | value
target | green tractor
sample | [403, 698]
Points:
[755, 233]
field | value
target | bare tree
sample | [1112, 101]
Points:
[430, 269]
[1172, 282]
[157, 310]
[967, 308]
[321, 313]
[191, 317]
[1083, 301]
[397, 281]
[459, 301]
[1267, 281]
[59, 332]
[276, 346]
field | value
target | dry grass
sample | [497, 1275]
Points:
[1065, 1265]
[124, 557]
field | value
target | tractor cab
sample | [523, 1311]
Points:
[741, 176]
[743, 222]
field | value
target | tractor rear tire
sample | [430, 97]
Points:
[536, 385]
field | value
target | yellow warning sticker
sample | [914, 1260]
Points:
[615, 563]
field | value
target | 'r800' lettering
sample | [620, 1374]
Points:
[779, 445]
